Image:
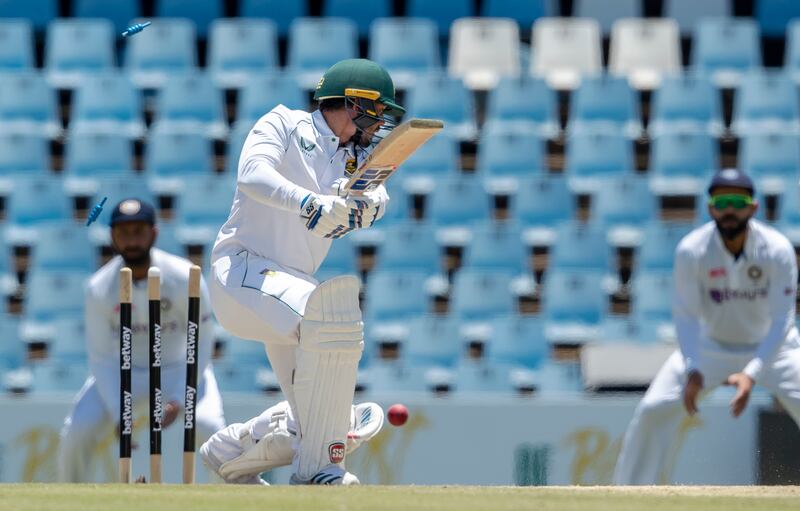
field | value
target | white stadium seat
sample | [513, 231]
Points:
[483, 50]
[644, 50]
[564, 49]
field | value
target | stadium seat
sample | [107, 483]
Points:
[518, 341]
[283, 12]
[581, 246]
[770, 154]
[23, 153]
[766, 101]
[524, 100]
[239, 48]
[200, 12]
[457, 200]
[657, 251]
[774, 15]
[168, 48]
[608, 11]
[36, 199]
[688, 12]
[77, 48]
[405, 47]
[27, 104]
[574, 303]
[38, 12]
[189, 103]
[46, 291]
[543, 201]
[409, 246]
[58, 376]
[483, 50]
[510, 151]
[496, 246]
[108, 102]
[444, 13]
[432, 341]
[235, 144]
[265, 91]
[341, 260]
[437, 96]
[681, 162]
[791, 60]
[206, 200]
[235, 376]
[92, 154]
[644, 50]
[63, 245]
[439, 156]
[481, 377]
[119, 12]
[12, 349]
[315, 44]
[390, 377]
[119, 187]
[592, 157]
[16, 51]
[605, 103]
[68, 342]
[393, 296]
[177, 154]
[565, 50]
[686, 103]
[624, 200]
[480, 295]
[725, 48]
[652, 296]
[363, 13]
[524, 12]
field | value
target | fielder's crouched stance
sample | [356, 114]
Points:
[285, 214]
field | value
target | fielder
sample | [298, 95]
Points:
[285, 213]
[133, 234]
[734, 311]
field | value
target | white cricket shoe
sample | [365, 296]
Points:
[214, 464]
[332, 474]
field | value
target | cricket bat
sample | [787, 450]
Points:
[390, 153]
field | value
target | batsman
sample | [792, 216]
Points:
[290, 204]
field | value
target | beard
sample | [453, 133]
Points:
[135, 257]
[730, 232]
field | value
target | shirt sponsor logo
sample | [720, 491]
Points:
[716, 273]
[306, 145]
[720, 296]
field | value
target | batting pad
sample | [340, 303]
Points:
[331, 342]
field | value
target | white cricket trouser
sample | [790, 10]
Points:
[653, 429]
[89, 421]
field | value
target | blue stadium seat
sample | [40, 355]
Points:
[341, 260]
[592, 157]
[770, 154]
[791, 61]
[28, 104]
[574, 297]
[773, 15]
[283, 12]
[457, 200]
[38, 12]
[789, 206]
[496, 246]
[77, 48]
[525, 12]
[177, 154]
[236, 140]
[315, 44]
[438, 96]
[55, 293]
[688, 12]
[389, 376]
[605, 103]
[510, 151]
[479, 295]
[363, 13]
[608, 11]
[440, 156]
[399, 206]
[58, 376]
[190, 103]
[725, 48]
[119, 12]
[395, 296]
[63, 245]
[657, 251]
[168, 48]
[36, 199]
[471, 376]
[681, 162]
[624, 200]
[766, 100]
[68, 343]
[518, 340]
[16, 52]
[444, 13]
[405, 47]
[432, 340]
[409, 246]
[91, 154]
[24, 153]
[581, 246]
[108, 102]
[239, 48]
[652, 296]
[524, 100]
[206, 200]
[686, 103]
[122, 186]
[201, 12]
[543, 200]
[12, 349]
[265, 91]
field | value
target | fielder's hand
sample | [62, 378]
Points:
[694, 384]
[744, 386]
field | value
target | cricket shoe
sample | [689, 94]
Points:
[332, 474]
[214, 464]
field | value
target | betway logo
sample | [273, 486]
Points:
[156, 345]
[191, 342]
[749, 295]
[127, 413]
[158, 410]
[188, 422]
[126, 348]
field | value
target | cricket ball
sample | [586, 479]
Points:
[397, 415]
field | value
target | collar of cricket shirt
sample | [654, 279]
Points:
[325, 135]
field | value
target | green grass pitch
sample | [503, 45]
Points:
[114, 497]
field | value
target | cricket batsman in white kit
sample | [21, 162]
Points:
[96, 408]
[286, 212]
[734, 311]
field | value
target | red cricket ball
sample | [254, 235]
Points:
[397, 414]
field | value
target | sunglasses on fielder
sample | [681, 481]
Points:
[734, 200]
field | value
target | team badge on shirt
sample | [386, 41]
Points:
[754, 272]
[350, 167]
[268, 273]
